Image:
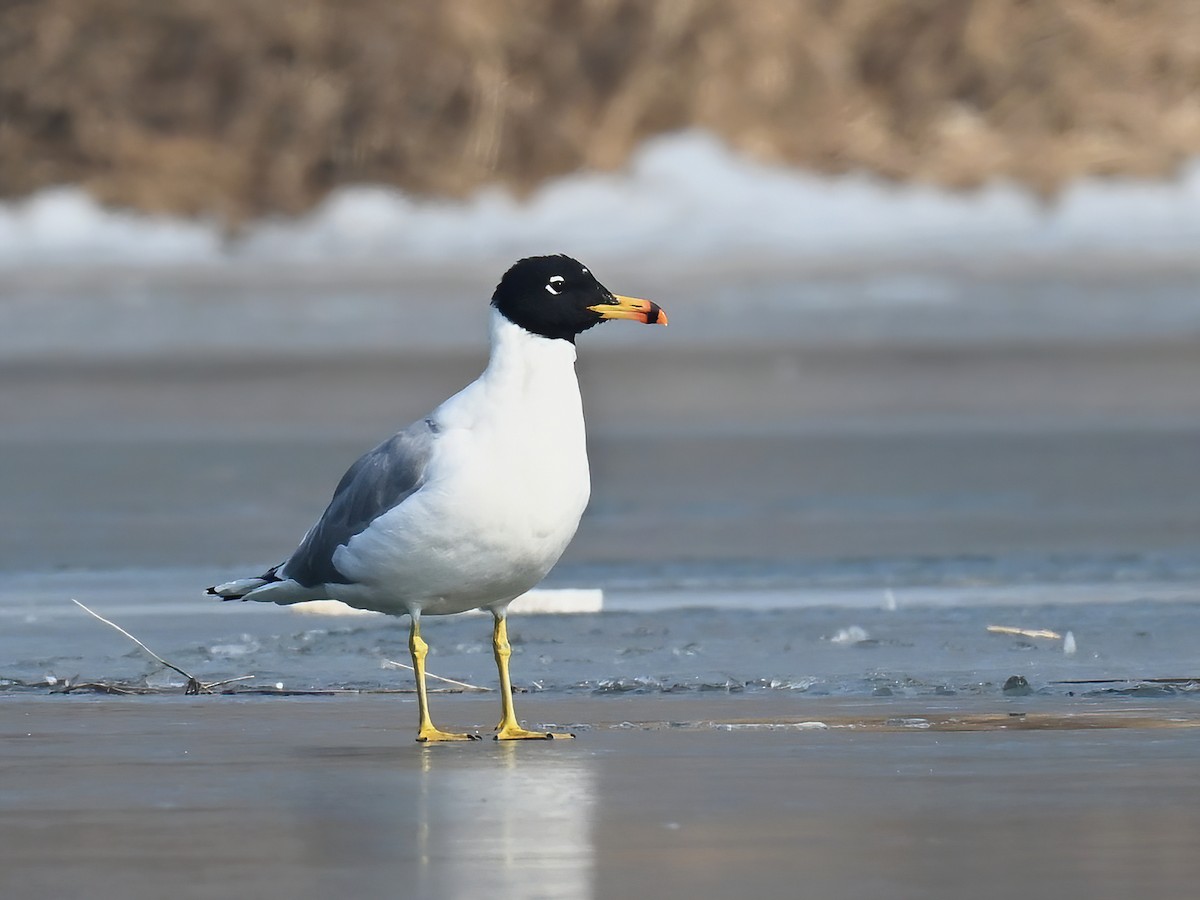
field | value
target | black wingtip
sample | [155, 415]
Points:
[225, 598]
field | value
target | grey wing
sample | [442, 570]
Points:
[380, 480]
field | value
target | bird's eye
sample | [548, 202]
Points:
[553, 284]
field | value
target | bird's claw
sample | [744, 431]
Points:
[433, 736]
[521, 734]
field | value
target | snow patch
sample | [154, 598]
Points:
[684, 197]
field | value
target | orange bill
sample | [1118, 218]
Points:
[645, 311]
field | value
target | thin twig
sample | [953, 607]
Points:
[99, 687]
[209, 685]
[461, 684]
[194, 686]
[1025, 632]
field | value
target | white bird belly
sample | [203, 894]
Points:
[491, 521]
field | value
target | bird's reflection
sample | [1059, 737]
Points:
[505, 820]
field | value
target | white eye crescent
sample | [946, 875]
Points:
[554, 280]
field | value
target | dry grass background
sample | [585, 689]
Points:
[237, 109]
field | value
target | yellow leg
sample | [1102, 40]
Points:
[419, 650]
[509, 729]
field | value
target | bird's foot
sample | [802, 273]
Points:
[431, 735]
[516, 733]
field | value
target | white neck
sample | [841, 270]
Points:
[518, 354]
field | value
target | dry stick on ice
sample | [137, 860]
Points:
[1025, 632]
[461, 684]
[194, 685]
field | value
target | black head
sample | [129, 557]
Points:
[550, 296]
[558, 297]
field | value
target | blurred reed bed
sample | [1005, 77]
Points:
[240, 110]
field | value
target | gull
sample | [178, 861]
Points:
[471, 506]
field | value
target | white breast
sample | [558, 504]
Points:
[504, 492]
